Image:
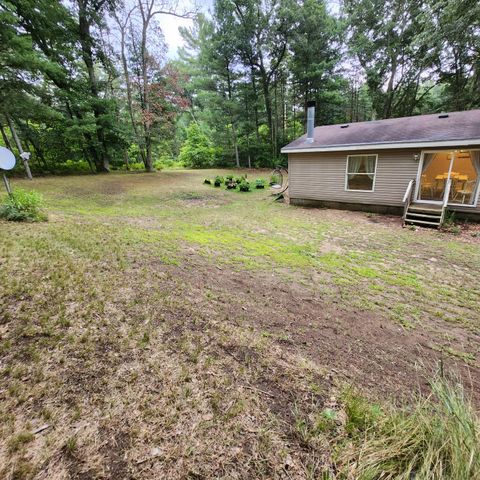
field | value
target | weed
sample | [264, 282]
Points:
[361, 414]
[439, 438]
[19, 439]
[465, 356]
[71, 445]
[23, 206]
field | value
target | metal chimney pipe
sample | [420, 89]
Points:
[310, 120]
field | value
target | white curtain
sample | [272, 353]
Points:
[370, 166]
[354, 164]
[427, 160]
[475, 156]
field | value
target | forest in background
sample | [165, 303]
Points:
[86, 85]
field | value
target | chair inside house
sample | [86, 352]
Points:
[464, 175]
[464, 191]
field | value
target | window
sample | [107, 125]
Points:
[361, 172]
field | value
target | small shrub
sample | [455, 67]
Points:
[260, 183]
[218, 181]
[231, 185]
[244, 186]
[449, 224]
[229, 178]
[240, 179]
[207, 181]
[23, 206]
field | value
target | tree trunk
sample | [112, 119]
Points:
[387, 111]
[128, 85]
[28, 134]
[5, 138]
[235, 145]
[268, 103]
[86, 41]
[234, 131]
[148, 161]
[146, 17]
[255, 100]
[19, 146]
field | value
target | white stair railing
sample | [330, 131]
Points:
[407, 198]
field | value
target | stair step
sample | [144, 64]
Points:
[422, 222]
[424, 215]
[417, 208]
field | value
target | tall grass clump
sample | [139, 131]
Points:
[23, 206]
[438, 438]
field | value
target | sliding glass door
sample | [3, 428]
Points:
[461, 167]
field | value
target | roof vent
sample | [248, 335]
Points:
[344, 126]
[443, 115]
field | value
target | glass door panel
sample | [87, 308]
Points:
[435, 170]
[464, 177]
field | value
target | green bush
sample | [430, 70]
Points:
[240, 179]
[70, 166]
[218, 181]
[167, 161]
[244, 186]
[136, 167]
[207, 181]
[260, 183]
[23, 206]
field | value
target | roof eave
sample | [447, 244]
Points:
[382, 146]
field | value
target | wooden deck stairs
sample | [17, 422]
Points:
[424, 215]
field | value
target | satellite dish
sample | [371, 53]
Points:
[7, 159]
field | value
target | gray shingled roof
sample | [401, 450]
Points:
[460, 126]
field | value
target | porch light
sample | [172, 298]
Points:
[416, 157]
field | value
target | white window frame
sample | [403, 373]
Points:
[374, 173]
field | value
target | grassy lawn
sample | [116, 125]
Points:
[162, 328]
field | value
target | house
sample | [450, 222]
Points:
[417, 167]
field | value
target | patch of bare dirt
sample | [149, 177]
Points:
[358, 347]
[115, 449]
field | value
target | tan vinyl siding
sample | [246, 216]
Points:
[321, 176]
